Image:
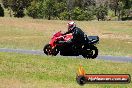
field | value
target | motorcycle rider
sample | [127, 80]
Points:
[78, 35]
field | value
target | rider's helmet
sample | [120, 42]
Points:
[71, 25]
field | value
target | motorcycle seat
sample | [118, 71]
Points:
[93, 39]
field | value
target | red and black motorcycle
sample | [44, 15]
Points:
[87, 49]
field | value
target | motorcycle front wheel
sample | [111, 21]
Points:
[49, 51]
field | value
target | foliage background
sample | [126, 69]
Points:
[70, 9]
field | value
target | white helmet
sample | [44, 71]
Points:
[71, 25]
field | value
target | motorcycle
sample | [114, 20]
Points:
[88, 49]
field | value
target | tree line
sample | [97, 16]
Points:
[69, 9]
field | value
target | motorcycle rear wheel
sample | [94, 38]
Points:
[49, 51]
[90, 52]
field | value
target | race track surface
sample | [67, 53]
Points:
[38, 52]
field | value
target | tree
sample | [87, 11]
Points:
[69, 7]
[49, 8]
[1, 11]
[82, 14]
[120, 10]
[120, 6]
[113, 4]
[43, 9]
[101, 12]
[60, 8]
[86, 3]
[64, 15]
[89, 13]
[36, 10]
[7, 4]
[76, 13]
[83, 3]
[127, 4]
[17, 6]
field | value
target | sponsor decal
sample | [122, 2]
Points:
[83, 78]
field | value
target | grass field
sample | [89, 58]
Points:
[34, 71]
[115, 37]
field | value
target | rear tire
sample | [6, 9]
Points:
[49, 51]
[90, 52]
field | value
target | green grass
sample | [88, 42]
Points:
[115, 47]
[34, 71]
[115, 37]
[13, 37]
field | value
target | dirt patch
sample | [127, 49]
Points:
[32, 24]
[10, 83]
[115, 36]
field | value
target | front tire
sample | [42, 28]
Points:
[49, 51]
[90, 52]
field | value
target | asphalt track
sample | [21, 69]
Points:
[39, 52]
